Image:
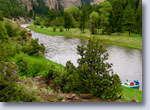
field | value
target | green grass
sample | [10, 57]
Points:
[122, 39]
[32, 66]
[133, 95]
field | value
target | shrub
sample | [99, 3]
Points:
[54, 28]
[34, 48]
[42, 26]
[32, 66]
[9, 28]
[37, 21]
[60, 98]
[3, 32]
[61, 29]
[57, 22]
[10, 91]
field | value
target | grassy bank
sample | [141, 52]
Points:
[122, 39]
[32, 66]
[130, 94]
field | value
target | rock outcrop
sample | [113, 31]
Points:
[70, 3]
[54, 4]
[96, 2]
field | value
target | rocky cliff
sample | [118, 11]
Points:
[96, 1]
[54, 4]
[70, 3]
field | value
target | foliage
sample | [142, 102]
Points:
[83, 18]
[12, 8]
[58, 22]
[37, 21]
[32, 66]
[3, 32]
[50, 17]
[67, 20]
[61, 29]
[128, 19]
[54, 28]
[116, 16]
[93, 75]
[105, 8]
[94, 16]
[34, 48]
[7, 50]
[10, 91]
[74, 12]
[1, 16]
[9, 28]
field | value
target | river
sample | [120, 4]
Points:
[127, 63]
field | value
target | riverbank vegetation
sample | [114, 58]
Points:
[114, 22]
[103, 19]
[121, 39]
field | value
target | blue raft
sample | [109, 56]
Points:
[136, 84]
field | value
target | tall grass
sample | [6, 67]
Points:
[32, 66]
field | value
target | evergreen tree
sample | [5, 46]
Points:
[105, 8]
[139, 19]
[94, 16]
[67, 20]
[129, 19]
[83, 18]
[116, 16]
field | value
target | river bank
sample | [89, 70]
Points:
[134, 41]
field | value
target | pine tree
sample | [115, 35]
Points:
[83, 18]
[67, 20]
[129, 19]
[105, 8]
[94, 16]
[116, 16]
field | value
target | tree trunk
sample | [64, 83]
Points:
[129, 32]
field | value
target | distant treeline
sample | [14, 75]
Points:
[15, 9]
[108, 17]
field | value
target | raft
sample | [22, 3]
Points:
[136, 84]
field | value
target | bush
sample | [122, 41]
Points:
[3, 32]
[42, 26]
[34, 48]
[23, 35]
[57, 22]
[93, 75]
[37, 21]
[10, 91]
[54, 28]
[32, 66]
[61, 29]
[8, 50]
[9, 28]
